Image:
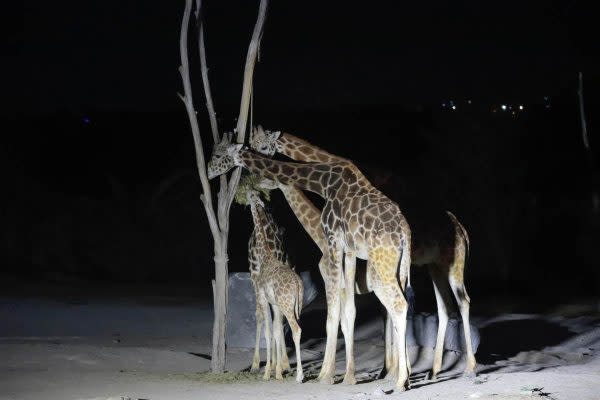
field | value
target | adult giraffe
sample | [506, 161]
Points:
[439, 241]
[358, 220]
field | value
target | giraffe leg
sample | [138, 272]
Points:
[296, 334]
[382, 268]
[463, 300]
[391, 350]
[274, 355]
[277, 331]
[285, 361]
[443, 300]
[332, 292]
[273, 344]
[259, 322]
[457, 283]
[403, 273]
[388, 342]
[349, 316]
[267, 314]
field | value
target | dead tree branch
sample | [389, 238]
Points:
[219, 221]
[184, 71]
[247, 89]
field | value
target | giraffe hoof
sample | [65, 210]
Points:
[349, 380]
[391, 376]
[254, 369]
[400, 388]
[431, 376]
[300, 378]
[326, 380]
[470, 374]
[279, 377]
[266, 377]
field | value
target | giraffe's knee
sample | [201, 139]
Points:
[297, 333]
[400, 304]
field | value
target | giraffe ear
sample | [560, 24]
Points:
[234, 149]
[226, 138]
[276, 134]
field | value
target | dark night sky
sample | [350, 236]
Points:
[112, 55]
[92, 127]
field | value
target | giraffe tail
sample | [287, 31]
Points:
[405, 260]
[462, 230]
[299, 298]
[410, 296]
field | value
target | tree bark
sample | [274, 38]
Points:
[219, 221]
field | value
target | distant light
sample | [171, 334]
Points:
[86, 120]
[454, 107]
[469, 101]
[444, 105]
[503, 107]
[521, 107]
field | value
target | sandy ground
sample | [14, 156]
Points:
[157, 348]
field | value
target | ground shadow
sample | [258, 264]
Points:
[505, 339]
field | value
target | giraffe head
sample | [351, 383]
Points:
[223, 157]
[267, 184]
[265, 142]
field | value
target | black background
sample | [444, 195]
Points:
[97, 161]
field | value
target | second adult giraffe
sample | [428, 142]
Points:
[358, 220]
[439, 241]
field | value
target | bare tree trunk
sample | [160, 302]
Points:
[219, 221]
[586, 145]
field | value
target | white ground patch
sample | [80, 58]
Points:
[157, 350]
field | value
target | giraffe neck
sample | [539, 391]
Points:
[301, 150]
[262, 229]
[308, 215]
[313, 177]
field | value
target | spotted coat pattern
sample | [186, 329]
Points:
[439, 241]
[357, 219]
[277, 285]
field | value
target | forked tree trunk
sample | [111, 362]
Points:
[219, 221]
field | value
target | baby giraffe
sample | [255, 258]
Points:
[278, 285]
[255, 250]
